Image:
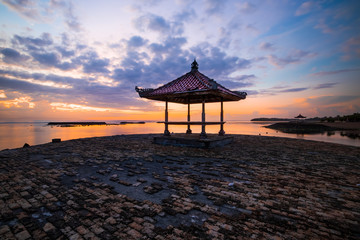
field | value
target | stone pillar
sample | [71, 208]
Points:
[188, 131]
[166, 132]
[222, 132]
[203, 133]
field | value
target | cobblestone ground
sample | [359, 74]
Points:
[125, 187]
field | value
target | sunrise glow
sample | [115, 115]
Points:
[81, 60]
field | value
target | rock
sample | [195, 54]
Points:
[48, 227]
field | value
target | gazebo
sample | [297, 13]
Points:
[191, 88]
[300, 116]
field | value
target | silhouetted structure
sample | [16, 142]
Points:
[192, 87]
[300, 116]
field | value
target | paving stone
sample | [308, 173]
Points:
[126, 187]
[48, 227]
[134, 234]
[23, 235]
[4, 229]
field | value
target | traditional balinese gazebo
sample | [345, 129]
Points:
[300, 116]
[192, 87]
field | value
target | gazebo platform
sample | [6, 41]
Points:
[193, 140]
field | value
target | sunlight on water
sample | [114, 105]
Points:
[14, 135]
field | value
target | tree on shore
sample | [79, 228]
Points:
[355, 117]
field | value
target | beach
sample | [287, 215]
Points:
[126, 187]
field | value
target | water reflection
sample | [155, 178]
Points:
[14, 135]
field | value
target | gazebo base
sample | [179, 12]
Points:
[184, 140]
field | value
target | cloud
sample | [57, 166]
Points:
[152, 22]
[49, 59]
[325, 73]
[33, 43]
[324, 27]
[171, 44]
[96, 66]
[171, 61]
[25, 8]
[66, 55]
[234, 85]
[106, 82]
[12, 56]
[306, 8]
[44, 12]
[40, 79]
[82, 92]
[52, 59]
[67, 9]
[330, 100]
[267, 46]
[136, 41]
[71, 20]
[325, 85]
[216, 62]
[158, 24]
[238, 82]
[214, 6]
[278, 90]
[64, 52]
[351, 48]
[246, 77]
[2, 94]
[247, 7]
[295, 56]
[291, 90]
[185, 15]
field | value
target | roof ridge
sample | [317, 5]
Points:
[206, 84]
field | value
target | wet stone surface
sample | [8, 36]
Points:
[125, 187]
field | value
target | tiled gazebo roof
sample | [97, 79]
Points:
[191, 87]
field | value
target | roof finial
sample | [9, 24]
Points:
[194, 65]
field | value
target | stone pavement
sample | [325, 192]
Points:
[125, 187]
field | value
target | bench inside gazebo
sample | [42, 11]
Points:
[192, 88]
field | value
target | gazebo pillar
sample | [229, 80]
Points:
[222, 132]
[166, 132]
[203, 133]
[188, 131]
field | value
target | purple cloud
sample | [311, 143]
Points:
[293, 90]
[267, 46]
[296, 56]
[306, 7]
[25, 8]
[152, 22]
[96, 66]
[325, 85]
[136, 41]
[214, 6]
[12, 56]
[33, 43]
[325, 73]
[328, 100]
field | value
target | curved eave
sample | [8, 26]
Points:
[195, 96]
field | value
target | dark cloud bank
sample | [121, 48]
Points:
[136, 68]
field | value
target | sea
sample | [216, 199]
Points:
[15, 135]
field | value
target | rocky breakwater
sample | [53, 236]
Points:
[125, 187]
[302, 127]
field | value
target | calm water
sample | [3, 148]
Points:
[14, 135]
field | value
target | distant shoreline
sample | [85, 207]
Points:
[350, 129]
[73, 124]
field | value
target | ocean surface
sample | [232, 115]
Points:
[15, 135]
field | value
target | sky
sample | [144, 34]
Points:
[81, 60]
